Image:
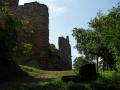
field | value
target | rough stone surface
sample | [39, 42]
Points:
[65, 51]
[60, 59]
[13, 3]
[38, 17]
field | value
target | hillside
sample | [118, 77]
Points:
[51, 80]
[37, 79]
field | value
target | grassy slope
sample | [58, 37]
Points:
[52, 74]
[50, 80]
[40, 79]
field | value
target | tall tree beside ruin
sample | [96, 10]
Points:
[79, 62]
[102, 39]
[13, 31]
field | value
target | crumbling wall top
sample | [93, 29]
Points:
[35, 8]
[13, 3]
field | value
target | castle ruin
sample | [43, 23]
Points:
[38, 17]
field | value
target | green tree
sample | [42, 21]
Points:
[13, 31]
[52, 48]
[108, 26]
[79, 62]
[88, 43]
[103, 37]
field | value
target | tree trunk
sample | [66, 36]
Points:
[97, 64]
[107, 66]
[104, 66]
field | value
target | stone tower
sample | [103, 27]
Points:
[38, 17]
[13, 3]
[65, 51]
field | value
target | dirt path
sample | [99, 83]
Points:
[44, 76]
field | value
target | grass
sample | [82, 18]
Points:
[107, 74]
[53, 74]
[30, 70]
[108, 80]
[40, 80]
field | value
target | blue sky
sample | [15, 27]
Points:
[68, 14]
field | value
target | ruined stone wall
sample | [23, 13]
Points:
[65, 51]
[56, 62]
[60, 59]
[38, 17]
[13, 3]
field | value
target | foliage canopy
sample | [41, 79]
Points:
[13, 31]
[102, 38]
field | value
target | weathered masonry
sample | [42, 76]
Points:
[38, 17]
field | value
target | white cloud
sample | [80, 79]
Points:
[57, 10]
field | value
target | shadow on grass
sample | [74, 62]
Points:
[110, 82]
[31, 83]
[28, 83]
